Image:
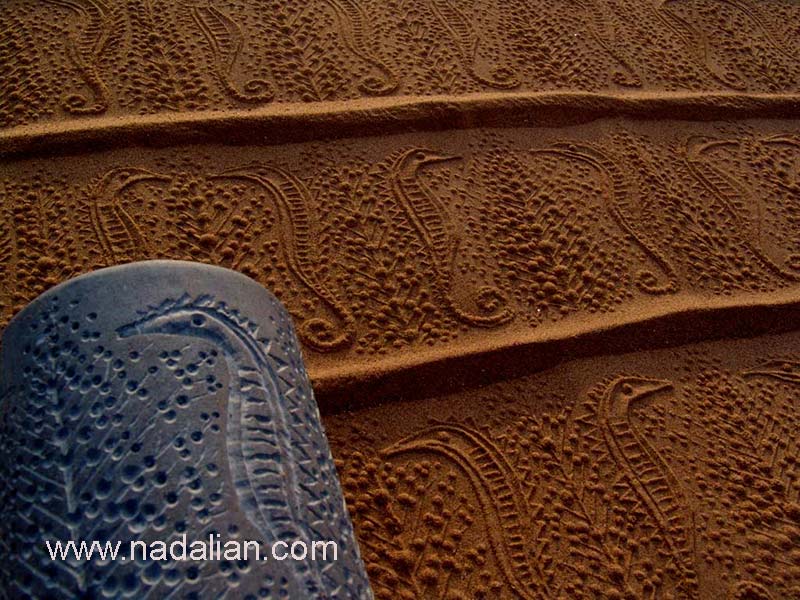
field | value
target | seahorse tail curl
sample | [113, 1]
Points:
[377, 86]
[322, 335]
[254, 90]
[647, 281]
[492, 304]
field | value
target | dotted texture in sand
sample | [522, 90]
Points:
[64, 59]
[449, 196]
[669, 474]
[397, 246]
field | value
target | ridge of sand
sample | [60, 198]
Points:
[696, 443]
[557, 233]
[545, 309]
[299, 122]
[511, 353]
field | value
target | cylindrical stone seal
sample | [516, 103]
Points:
[162, 408]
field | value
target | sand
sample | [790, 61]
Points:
[485, 219]
[666, 474]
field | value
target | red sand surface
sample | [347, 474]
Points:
[522, 243]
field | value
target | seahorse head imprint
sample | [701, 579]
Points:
[430, 438]
[627, 390]
[413, 159]
[433, 222]
[298, 230]
[258, 433]
[191, 318]
[784, 369]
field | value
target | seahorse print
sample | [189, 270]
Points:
[87, 49]
[260, 446]
[353, 22]
[617, 206]
[430, 219]
[695, 39]
[601, 29]
[225, 38]
[723, 189]
[751, 10]
[792, 181]
[9, 254]
[116, 231]
[499, 495]
[649, 475]
[459, 27]
[298, 230]
[789, 181]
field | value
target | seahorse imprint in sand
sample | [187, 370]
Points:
[699, 44]
[87, 49]
[261, 448]
[354, 23]
[723, 188]
[115, 230]
[9, 255]
[505, 506]
[460, 29]
[618, 207]
[225, 38]
[602, 30]
[298, 229]
[431, 221]
[649, 475]
[499, 495]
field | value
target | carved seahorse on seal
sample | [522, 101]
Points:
[460, 29]
[648, 474]
[617, 205]
[258, 432]
[86, 50]
[721, 187]
[499, 495]
[353, 22]
[430, 220]
[116, 231]
[225, 38]
[298, 228]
